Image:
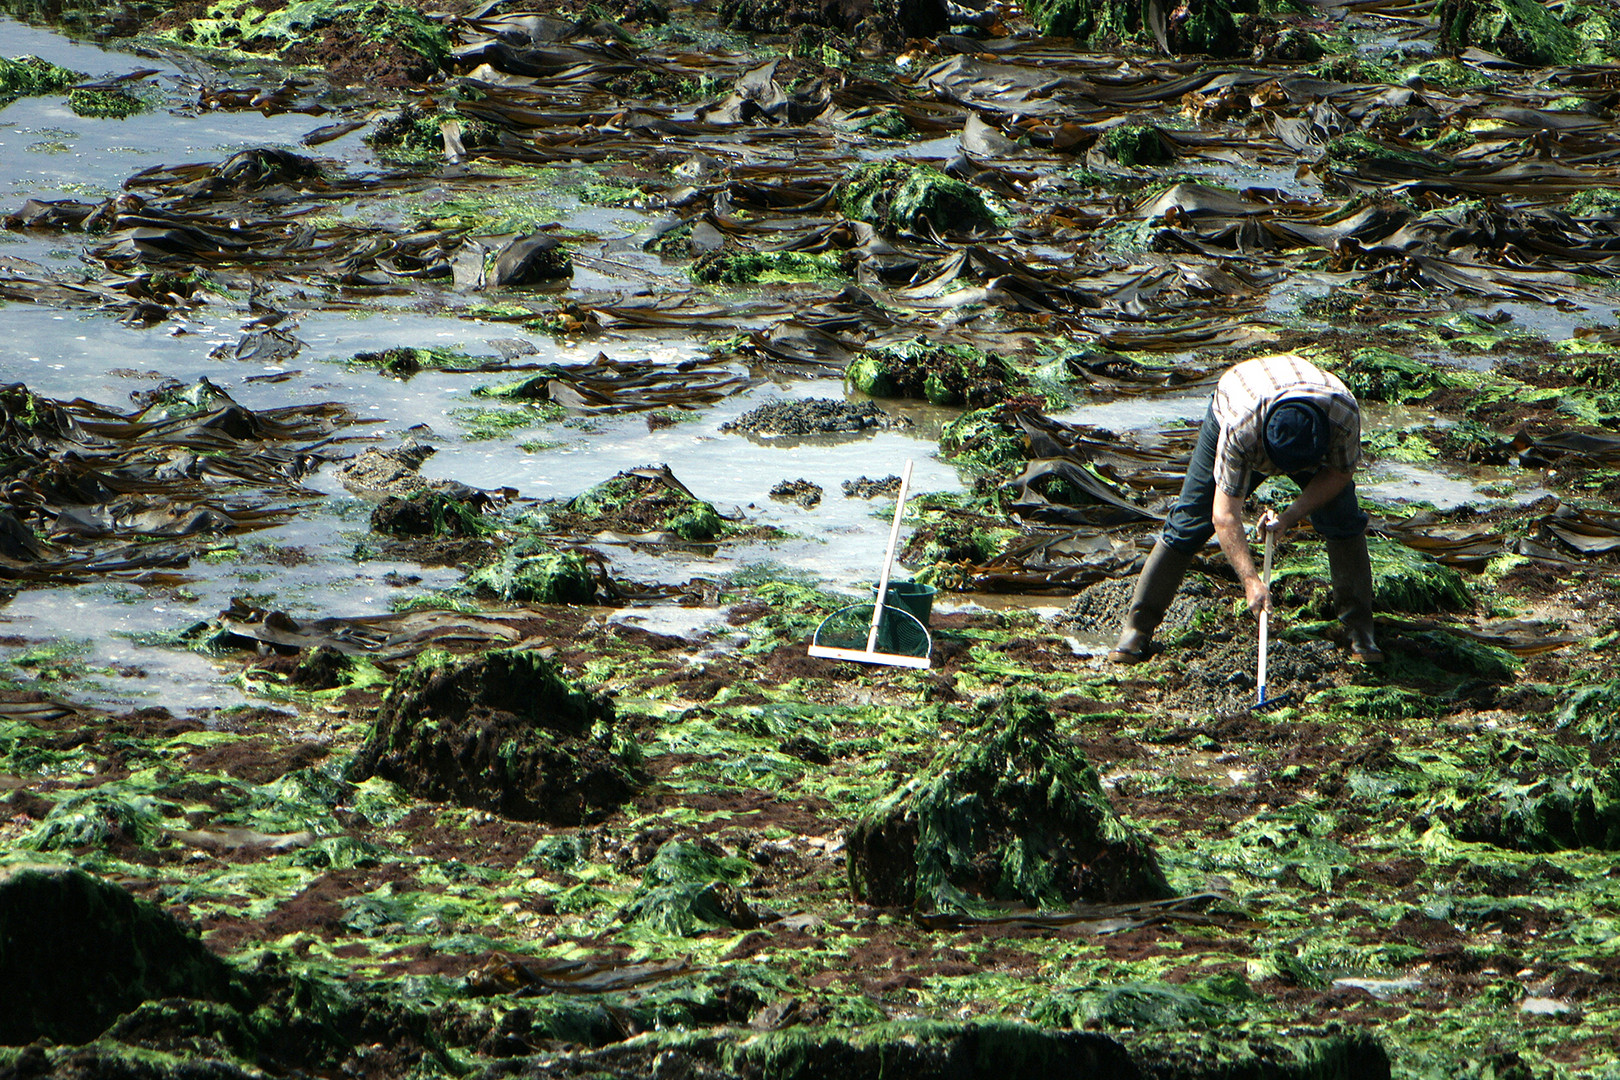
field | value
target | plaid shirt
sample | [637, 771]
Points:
[1245, 396]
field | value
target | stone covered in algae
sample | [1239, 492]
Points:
[984, 441]
[1008, 811]
[106, 104]
[690, 887]
[28, 76]
[529, 572]
[449, 511]
[1403, 579]
[753, 267]
[504, 732]
[941, 374]
[639, 500]
[1197, 26]
[1137, 144]
[76, 952]
[1523, 31]
[900, 196]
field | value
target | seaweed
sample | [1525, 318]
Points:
[900, 196]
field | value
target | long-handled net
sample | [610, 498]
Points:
[899, 635]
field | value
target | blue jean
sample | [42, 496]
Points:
[1189, 524]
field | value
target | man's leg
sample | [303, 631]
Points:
[1343, 524]
[1186, 529]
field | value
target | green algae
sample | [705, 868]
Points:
[1594, 202]
[1137, 144]
[1382, 375]
[650, 502]
[403, 361]
[106, 104]
[1523, 31]
[1593, 711]
[98, 817]
[984, 443]
[1355, 149]
[687, 889]
[29, 76]
[241, 27]
[529, 572]
[1403, 579]
[1009, 812]
[942, 374]
[900, 196]
[760, 267]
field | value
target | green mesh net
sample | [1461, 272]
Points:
[899, 632]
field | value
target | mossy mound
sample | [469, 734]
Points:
[1594, 203]
[1137, 144]
[504, 732]
[1593, 711]
[96, 818]
[531, 573]
[643, 500]
[984, 441]
[106, 104]
[1577, 807]
[312, 31]
[76, 952]
[755, 267]
[901, 196]
[690, 887]
[1523, 31]
[28, 76]
[1208, 26]
[1008, 811]
[436, 512]
[413, 134]
[1403, 579]
[1381, 375]
[941, 374]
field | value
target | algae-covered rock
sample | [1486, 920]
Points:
[754, 267]
[1195, 26]
[1137, 144]
[338, 33]
[690, 887]
[1403, 579]
[449, 511]
[530, 260]
[77, 951]
[984, 441]
[1009, 811]
[1523, 31]
[1381, 375]
[904, 196]
[941, 374]
[106, 104]
[650, 499]
[27, 76]
[532, 573]
[504, 732]
[96, 818]
[1574, 808]
[902, 18]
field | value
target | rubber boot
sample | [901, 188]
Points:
[1351, 571]
[1155, 588]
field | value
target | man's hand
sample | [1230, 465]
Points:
[1258, 595]
[1273, 522]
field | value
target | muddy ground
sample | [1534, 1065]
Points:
[455, 717]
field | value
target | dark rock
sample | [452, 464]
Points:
[450, 510]
[324, 668]
[802, 492]
[530, 259]
[866, 488]
[812, 416]
[76, 952]
[1006, 812]
[503, 732]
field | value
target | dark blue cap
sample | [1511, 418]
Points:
[1296, 436]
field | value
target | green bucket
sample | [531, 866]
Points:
[913, 597]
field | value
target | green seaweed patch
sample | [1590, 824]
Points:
[984, 442]
[759, 267]
[1403, 579]
[1008, 811]
[879, 121]
[1375, 703]
[1355, 148]
[403, 361]
[1595, 202]
[632, 499]
[1137, 144]
[414, 134]
[689, 888]
[1523, 31]
[901, 196]
[529, 572]
[98, 817]
[941, 374]
[1448, 73]
[1381, 375]
[1576, 806]
[1593, 711]
[106, 104]
[29, 76]
[1222, 999]
[240, 26]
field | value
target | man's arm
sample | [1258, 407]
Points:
[1323, 488]
[1227, 515]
